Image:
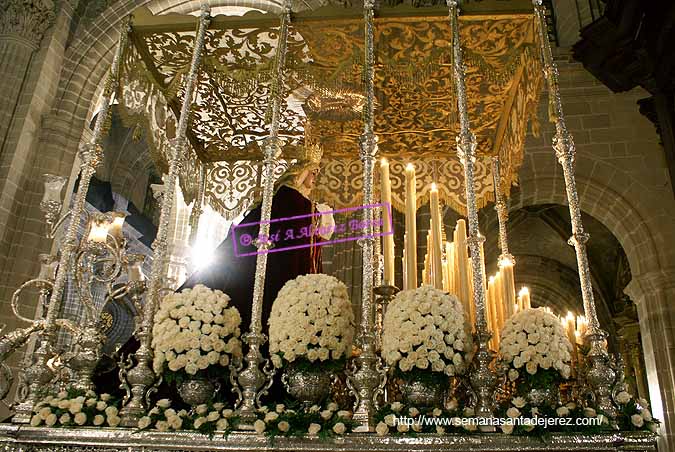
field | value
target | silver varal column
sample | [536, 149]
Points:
[600, 376]
[253, 380]
[483, 379]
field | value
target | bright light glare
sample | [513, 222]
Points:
[202, 254]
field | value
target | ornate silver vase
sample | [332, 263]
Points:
[543, 396]
[307, 384]
[419, 390]
[196, 390]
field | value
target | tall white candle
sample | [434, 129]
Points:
[437, 238]
[411, 226]
[388, 238]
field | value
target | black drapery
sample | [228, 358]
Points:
[233, 271]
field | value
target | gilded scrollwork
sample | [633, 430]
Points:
[415, 113]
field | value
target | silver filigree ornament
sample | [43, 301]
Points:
[366, 378]
[253, 380]
[482, 378]
[600, 375]
[141, 380]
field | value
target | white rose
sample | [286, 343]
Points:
[623, 397]
[402, 428]
[283, 426]
[99, 419]
[513, 412]
[589, 412]
[80, 418]
[390, 420]
[143, 422]
[35, 420]
[507, 428]
[313, 429]
[381, 429]
[222, 424]
[114, 421]
[562, 411]
[339, 428]
[259, 426]
[637, 420]
[646, 414]
[519, 402]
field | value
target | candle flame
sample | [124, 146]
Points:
[492, 279]
[434, 187]
[384, 161]
[524, 291]
[505, 262]
[410, 167]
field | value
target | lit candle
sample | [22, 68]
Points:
[388, 238]
[499, 302]
[571, 334]
[524, 297]
[98, 229]
[492, 309]
[450, 266]
[508, 284]
[405, 276]
[462, 257]
[411, 226]
[437, 238]
[117, 225]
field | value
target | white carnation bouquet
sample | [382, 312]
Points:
[193, 330]
[312, 319]
[424, 329]
[534, 344]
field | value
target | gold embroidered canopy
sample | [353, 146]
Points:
[415, 117]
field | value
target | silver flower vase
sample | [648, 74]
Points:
[423, 390]
[307, 384]
[196, 390]
[540, 397]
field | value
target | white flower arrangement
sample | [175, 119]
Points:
[311, 318]
[204, 418]
[195, 329]
[424, 328]
[75, 408]
[533, 340]
[399, 418]
[324, 421]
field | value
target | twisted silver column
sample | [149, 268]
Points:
[600, 376]
[253, 380]
[502, 213]
[483, 379]
[142, 376]
[366, 377]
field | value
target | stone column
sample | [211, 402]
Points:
[22, 26]
[654, 294]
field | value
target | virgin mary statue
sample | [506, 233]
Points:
[295, 220]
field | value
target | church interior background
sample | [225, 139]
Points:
[616, 73]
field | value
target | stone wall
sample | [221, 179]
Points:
[621, 169]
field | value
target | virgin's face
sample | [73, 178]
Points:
[310, 179]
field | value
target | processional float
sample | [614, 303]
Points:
[252, 378]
